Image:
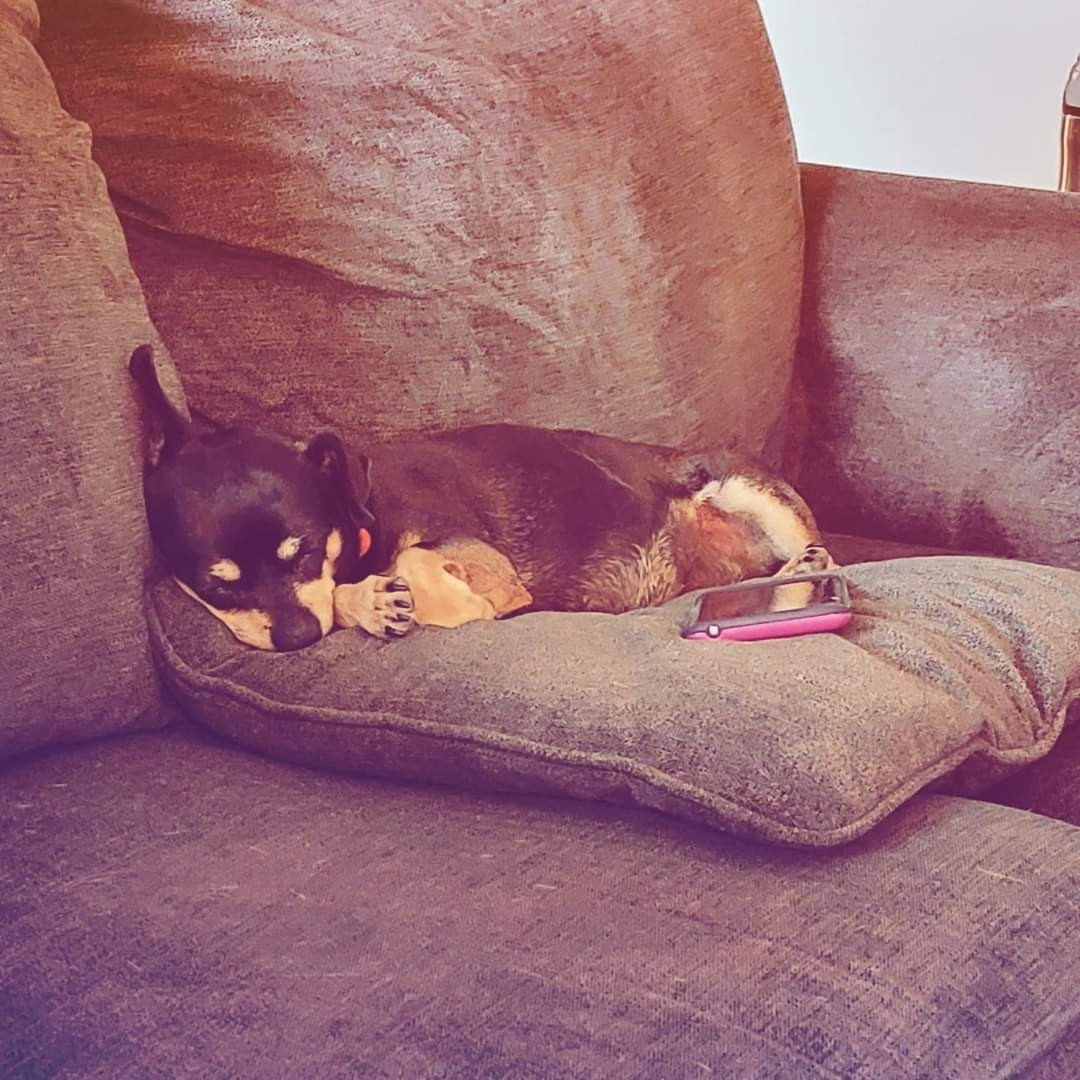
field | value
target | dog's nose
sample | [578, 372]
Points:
[293, 630]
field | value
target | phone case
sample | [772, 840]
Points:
[826, 616]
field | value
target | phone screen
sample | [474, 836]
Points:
[759, 599]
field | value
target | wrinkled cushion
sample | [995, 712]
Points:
[74, 655]
[258, 921]
[399, 216]
[811, 741]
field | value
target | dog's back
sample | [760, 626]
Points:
[589, 522]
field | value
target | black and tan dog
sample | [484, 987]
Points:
[282, 541]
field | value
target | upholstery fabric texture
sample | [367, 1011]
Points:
[1060, 1062]
[940, 326]
[74, 654]
[948, 662]
[406, 216]
[267, 921]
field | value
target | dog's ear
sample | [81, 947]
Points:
[349, 475]
[167, 428]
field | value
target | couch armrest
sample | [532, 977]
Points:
[940, 346]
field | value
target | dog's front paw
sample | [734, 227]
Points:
[379, 605]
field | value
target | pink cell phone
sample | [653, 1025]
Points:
[744, 611]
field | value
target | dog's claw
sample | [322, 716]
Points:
[382, 608]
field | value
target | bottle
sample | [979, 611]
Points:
[1070, 133]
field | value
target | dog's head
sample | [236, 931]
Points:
[254, 528]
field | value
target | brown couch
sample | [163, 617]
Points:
[398, 217]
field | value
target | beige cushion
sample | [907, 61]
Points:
[74, 655]
[952, 667]
[398, 216]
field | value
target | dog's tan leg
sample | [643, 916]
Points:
[786, 522]
[448, 586]
[440, 598]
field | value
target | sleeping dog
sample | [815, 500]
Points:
[282, 541]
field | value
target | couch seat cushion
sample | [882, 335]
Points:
[176, 908]
[949, 662]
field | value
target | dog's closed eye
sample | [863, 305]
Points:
[222, 595]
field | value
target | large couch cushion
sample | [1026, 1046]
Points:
[399, 216]
[172, 908]
[74, 655]
[949, 662]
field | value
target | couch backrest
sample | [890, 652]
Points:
[402, 215]
[74, 651]
[942, 327]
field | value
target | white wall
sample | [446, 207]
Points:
[958, 88]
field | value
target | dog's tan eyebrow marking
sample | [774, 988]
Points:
[288, 548]
[225, 570]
